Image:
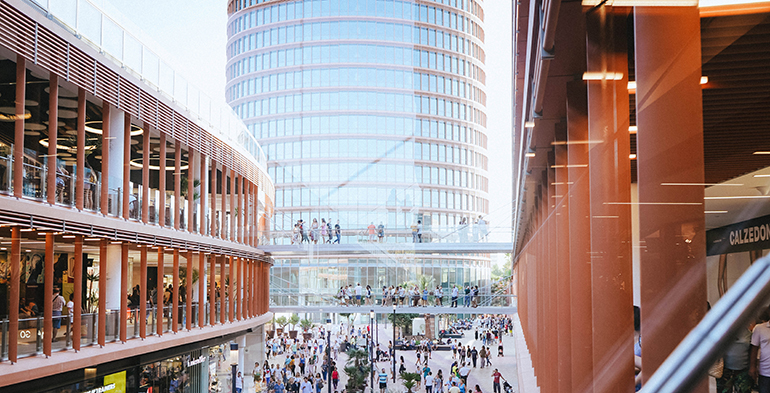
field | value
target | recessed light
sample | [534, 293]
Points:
[761, 153]
[632, 156]
[633, 129]
[704, 80]
[529, 124]
[602, 76]
[715, 211]
[529, 155]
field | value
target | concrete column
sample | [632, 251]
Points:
[610, 203]
[223, 213]
[231, 290]
[213, 220]
[254, 344]
[112, 270]
[670, 146]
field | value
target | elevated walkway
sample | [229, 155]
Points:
[335, 309]
[305, 249]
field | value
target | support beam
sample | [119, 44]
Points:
[143, 292]
[102, 290]
[18, 135]
[146, 178]
[105, 179]
[80, 174]
[222, 288]
[188, 289]
[669, 114]
[174, 311]
[53, 126]
[77, 293]
[201, 289]
[610, 203]
[160, 288]
[122, 316]
[212, 290]
[127, 168]
[48, 295]
[162, 181]
[177, 183]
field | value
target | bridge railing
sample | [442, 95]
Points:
[285, 298]
[472, 233]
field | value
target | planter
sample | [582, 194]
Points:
[279, 331]
[270, 333]
[293, 334]
[307, 336]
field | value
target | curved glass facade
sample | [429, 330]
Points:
[370, 111]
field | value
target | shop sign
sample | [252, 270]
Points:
[101, 389]
[744, 236]
[196, 362]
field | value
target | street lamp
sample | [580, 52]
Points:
[371, 349]
[329, 352]
[394, 342]
[234, 361]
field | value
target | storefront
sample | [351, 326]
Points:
[201, 370]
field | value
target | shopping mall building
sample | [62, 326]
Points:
[370, 112]
[641, 178]
[118, 178]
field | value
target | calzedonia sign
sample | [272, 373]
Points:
[744, 236]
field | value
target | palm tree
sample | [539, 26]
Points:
[357, 369]
[426, 282]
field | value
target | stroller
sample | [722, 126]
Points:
[507, 387]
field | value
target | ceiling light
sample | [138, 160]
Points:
[570, 166]
[602, 76]
[633, 129]
[761, 153]
[704, 80]
[703, 184]
[631, 85]
[738, 197]
[761, 175]
[715, 211]
[529, 155]
[632, 156]
[95, 127]
[27, 229]
[642, 3]
[529, 124]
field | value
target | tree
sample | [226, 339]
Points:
[410, 379]
[282, 321]
[404, 321]
[294, 320]
[426, 282]
[306, 324]
[357, 369]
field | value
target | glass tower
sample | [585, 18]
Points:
[370, 112]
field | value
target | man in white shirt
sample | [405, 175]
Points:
[454, 388]
[429, 382]
[306, 386]
[464, 371]
[455, 293]
[358, 294]
[760, 345]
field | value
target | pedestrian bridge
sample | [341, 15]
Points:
[305, 249]
[338, 309]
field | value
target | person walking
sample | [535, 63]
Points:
[496, 377]
[335, 377]
[383, 378]
[474, 356]
[455, 294]
[239, 383]
[429, 382]
[337, 233]
[56, 307]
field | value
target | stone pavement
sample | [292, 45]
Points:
[440, 360]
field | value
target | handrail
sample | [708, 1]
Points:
[689, 362]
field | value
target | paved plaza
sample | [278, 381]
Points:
[440, 360]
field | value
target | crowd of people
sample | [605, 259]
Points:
[325, 233]
[306, 364]
[408, 296]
